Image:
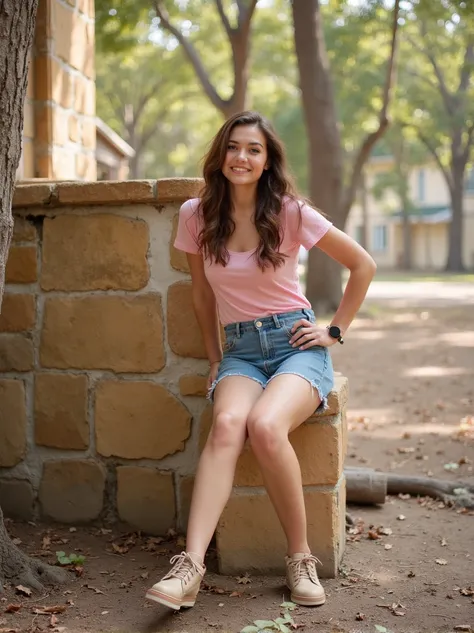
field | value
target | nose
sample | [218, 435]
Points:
[242, 154]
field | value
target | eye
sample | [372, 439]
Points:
[254, 150]
[231, 146]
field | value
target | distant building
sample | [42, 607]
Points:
[429, 218]
[62, 138]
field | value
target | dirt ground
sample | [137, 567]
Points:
[411, 410]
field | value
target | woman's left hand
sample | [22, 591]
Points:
[306, 334]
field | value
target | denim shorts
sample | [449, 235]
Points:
[260, 350]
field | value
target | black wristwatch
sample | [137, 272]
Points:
[335, 332]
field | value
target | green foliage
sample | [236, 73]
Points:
[279, 624]
[72, 559]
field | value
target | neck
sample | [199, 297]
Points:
[244, 199]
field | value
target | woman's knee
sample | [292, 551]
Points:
[228, 430]
[265, 434]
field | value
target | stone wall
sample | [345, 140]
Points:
[59, 135]
[103, 373]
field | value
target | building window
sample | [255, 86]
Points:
[421, 185]
[470, 180]
[379, 238]
[359, 233]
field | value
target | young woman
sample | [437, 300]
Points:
[242, 239]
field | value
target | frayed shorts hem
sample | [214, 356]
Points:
[322, 406]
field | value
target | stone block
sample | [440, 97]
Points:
[106, 192]
[74, 38]
[84, 100]
[17, 499]
[23, 230]
[18, 312]
[94, 252]
[29, 196]
[86, 166]
[178, 258]
[139, 419]
[120, 333]
[61, 411]
[16, 353]
[193, 385]
[62, 84]
[145, 499]
[178, 189]
[184, 335]
[186, 485]
[12, 422]
[21, 265]
[72, 491]
[250, 538]
[28, 158]
[74, 129]
[337, 399]
[318, 447]
[89, 133]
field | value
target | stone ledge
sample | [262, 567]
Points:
[119, 193]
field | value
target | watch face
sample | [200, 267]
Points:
[334, 331]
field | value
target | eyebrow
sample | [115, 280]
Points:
[251, 143]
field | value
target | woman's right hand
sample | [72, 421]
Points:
[213, 373]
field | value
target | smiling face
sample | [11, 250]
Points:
[246, 156]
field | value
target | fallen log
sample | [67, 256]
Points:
[368, 486]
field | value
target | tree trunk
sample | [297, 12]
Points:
[323, 286]
[455, 236]
[17, 24]
[365, 212]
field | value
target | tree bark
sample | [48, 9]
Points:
[324, 282]
[17, 24]
[454, 262]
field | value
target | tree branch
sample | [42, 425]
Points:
[224, 19]
[467, 67]
[246, 12]
[371, 139]
[432, 149]
[445, 94]
[192, 55]
[468, 144]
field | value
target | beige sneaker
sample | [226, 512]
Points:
[180, 587]
[302, 580]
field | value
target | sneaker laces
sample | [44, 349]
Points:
[305, 568]
[183, 567]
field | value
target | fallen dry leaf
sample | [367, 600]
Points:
[441, 561]
[13, 608]
[467, 591]
[23, 590]
[401, 517]
[244, 580]
[372, 535]
[444, 542]
[46, 542]
[388, 546]
[58, 608]
[17, 541]
[385, 531]
[463, 627]
[405, 449]
[235, 594]
[10, 631]
[53, 621]
[93, 589]
[360, 617]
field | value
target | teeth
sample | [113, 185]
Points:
[240, 170]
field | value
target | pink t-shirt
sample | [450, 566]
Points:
[243, 291]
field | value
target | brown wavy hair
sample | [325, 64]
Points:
[273, 186]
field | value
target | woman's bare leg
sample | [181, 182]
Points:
[285, 404]
[234, 398]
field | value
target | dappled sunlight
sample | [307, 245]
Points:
[434, 371]
[368, 335]
[459, 339]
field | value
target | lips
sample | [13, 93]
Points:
[240, 170]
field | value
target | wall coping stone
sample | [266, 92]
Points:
[50, 194]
